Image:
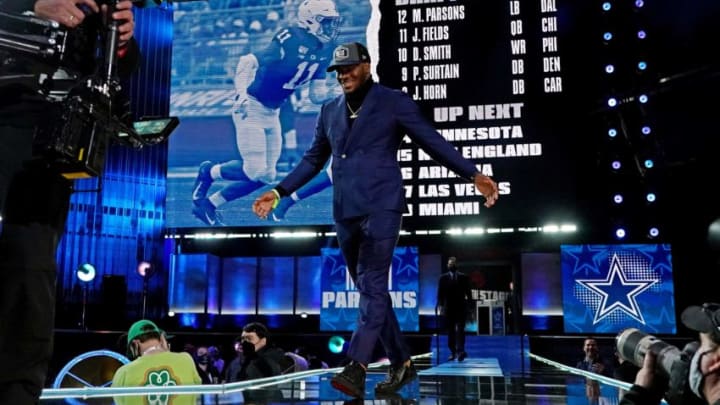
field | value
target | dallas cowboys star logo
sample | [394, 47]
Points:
[617, 292]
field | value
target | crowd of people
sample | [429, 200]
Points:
[153, 363]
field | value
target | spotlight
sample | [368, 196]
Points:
[618, 198]
[144, 269]
[620, 233]
[609, 68]
[303, 315]
[653, 232]
[335, 344]
[650, 197]
[645, 130]
[612, 132]
[607, 36]
[612, 102]
[616, 165]
[639, 3]
[643, 98]
[85, 273]
[649, 164]
[642, 65]
[641, 34]
[606, 6]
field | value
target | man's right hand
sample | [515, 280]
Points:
[66, 12]
[264, 204]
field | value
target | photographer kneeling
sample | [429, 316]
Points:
[704, 370]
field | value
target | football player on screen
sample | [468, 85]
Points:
[296, 56]
[319, 183]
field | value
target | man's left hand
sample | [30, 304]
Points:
[488, 188]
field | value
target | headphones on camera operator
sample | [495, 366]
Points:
[90, 107]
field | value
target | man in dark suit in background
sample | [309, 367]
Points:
[362, 130]
[452, 299]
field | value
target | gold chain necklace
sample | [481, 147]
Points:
[353, 114]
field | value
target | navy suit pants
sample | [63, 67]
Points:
[368, 244]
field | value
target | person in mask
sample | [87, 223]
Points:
[453, 295]
[205, 367]
[261, 359]
[704, 373]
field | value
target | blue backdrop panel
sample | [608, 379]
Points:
[189, 282]
[239, 287]
[608, 288]
[340, 298]
[309, 290]
[277, 285]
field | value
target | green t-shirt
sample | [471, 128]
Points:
[158, 370]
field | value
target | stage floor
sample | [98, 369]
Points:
[474, 381]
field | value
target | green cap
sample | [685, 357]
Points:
[142, 327]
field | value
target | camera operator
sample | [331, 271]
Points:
[704, 372]
[34, 198]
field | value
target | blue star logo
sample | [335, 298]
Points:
[406, 261]
[660, 258]
[617, 292]
[586, 259]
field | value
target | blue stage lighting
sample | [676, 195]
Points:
[646, 130]
[618, 198]
[336, 344]
[642, 65]
[606, 6]
[653, 232]
[612, 102]
[607, 36]
[616, 165]
[620, 233]
[612, 132]
[609, 68]
[639, 3]
[643, 98]
[649, 163]
[86, 273]
[650, 197]
[641, 34]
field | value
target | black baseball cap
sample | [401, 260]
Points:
[350, 53]
[704, 319]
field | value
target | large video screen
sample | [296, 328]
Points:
[248, 80]
[609, 288]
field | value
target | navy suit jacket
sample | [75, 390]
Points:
[366, 174]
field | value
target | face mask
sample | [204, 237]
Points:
[203, 359]
[248, 348]
[695, 376]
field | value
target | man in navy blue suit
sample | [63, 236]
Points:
[362, 131]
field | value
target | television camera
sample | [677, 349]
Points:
[92, 113]
[672, 364]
